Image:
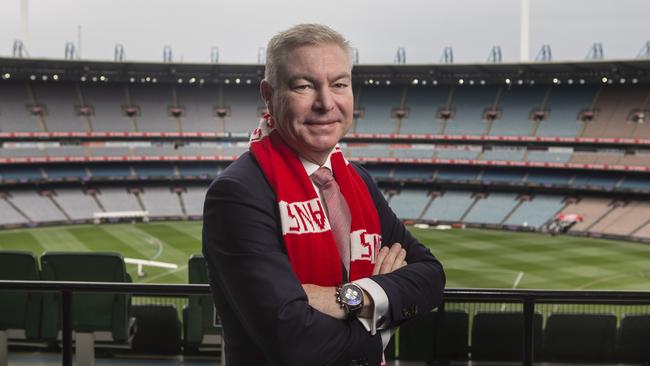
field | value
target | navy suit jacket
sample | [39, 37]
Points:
[264, 310]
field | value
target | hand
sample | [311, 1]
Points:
[323, 299]
[390, 259]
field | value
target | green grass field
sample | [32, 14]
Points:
[472, 258]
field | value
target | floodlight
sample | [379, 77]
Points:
[604, 79]
[237, 81]
[55, 77]
[44, 77]
[461, 81]
[415, 81]
[6, 76]
[507, 81]
[32, 77]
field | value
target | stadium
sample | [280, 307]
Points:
[529, 180]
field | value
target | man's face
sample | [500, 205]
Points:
[313, 101]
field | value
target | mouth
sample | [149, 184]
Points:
[320, 123]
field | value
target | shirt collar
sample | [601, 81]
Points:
[310, 167]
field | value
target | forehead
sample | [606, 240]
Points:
[316, 61]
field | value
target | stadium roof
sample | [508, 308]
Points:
[615, 71]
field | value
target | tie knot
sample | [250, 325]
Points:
[322, 177]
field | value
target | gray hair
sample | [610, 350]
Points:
[298, 36]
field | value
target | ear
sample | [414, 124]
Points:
[266, 90]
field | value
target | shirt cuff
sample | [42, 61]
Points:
[386, 334]
[380, 300]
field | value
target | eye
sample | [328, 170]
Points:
[340, 85]
[302, 87]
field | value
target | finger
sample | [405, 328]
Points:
[380, 259]
[387, 265]
[401, 256]
[397, 262]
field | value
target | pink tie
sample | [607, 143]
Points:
[338, 212]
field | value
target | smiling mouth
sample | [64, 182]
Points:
[320, 123]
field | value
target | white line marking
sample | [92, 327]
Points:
[519, 277]
[154, 241]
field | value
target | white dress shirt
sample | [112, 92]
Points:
[373, 289]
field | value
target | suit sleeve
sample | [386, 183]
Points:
[246, 260]
[416, 288]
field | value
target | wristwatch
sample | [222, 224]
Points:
[350, 297]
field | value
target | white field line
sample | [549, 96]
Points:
[520, 275]
[154, 241]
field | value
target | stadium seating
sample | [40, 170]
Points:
[77, 204]
[377, 103]
[160, 203]
[59, 100]
[498, 336]
[614, 104]
[19, 311]
[38, 208]
[535, 212]
[410, 203]
[244, 102]
[10, 214]
[106, 102]
[633, 335]
[416, 338]
[201, 326]
[159, 330]
[451, 206]
[97, 319]
[14, 101]
[422, 104]
[193, 199]
[564, 106]
[118, 199]
[469, 102]
[580, 337]
[451, 336]
[199, 104]
[516, 104]
[492, 209]
[152, 102]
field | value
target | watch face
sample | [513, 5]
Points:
[351, 295]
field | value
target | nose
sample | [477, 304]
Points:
[324, 101]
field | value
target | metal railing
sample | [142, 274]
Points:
[528, 298]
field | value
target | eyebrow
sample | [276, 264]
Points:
[342, 75]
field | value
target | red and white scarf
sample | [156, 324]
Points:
[306, 230]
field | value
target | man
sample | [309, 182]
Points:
[306, 268]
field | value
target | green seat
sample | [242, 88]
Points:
[499, 336]
[200, 324]
[19, 311]
[416, 338]
[580, 337]
[104, 315]
[452, 328]
[633, 337]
